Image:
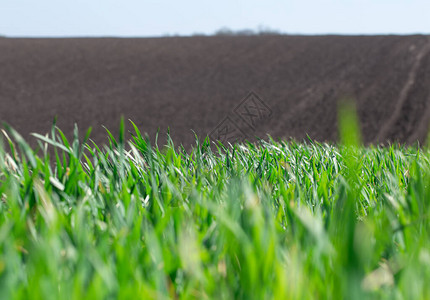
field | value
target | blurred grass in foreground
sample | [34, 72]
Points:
[273, 220]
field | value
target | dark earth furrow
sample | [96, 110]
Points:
[192, 83]
[420, 130]
[403, 107]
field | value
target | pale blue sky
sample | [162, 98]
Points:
[52, 18]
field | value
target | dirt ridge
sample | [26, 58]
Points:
[404, 94]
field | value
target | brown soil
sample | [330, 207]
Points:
[194, 83]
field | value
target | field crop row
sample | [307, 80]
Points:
[269, 220]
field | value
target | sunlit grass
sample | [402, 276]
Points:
[270, 220]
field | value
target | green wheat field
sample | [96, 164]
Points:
[265, 220]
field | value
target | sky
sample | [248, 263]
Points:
[126, 18]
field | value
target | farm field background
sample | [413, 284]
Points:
[265, 220]
[193, 83]
[312, 206]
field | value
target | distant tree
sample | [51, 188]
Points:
[263, 30]
[245, 32]
[225, 31]
[198, 34]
